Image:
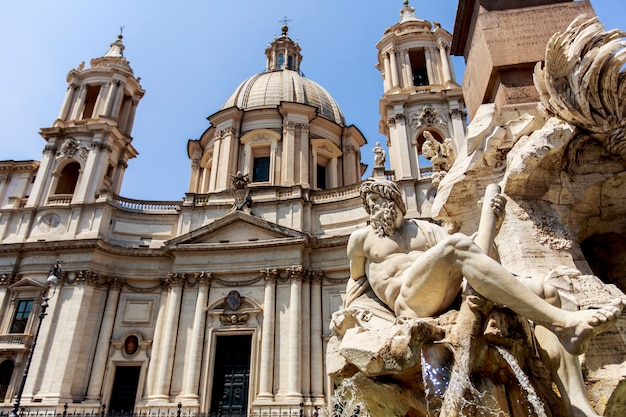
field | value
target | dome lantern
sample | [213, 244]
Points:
[283, 53]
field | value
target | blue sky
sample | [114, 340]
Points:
[191, 55]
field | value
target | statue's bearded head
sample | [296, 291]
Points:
[382, 199]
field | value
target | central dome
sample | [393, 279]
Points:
[269, 89]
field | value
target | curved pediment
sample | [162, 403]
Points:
[237, 229]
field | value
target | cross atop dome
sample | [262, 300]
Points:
[284, 27]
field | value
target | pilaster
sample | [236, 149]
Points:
[294, 354]
[266, 373]
[175, 283]
[94, 390]
[191, 376]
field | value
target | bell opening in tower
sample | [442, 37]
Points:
[418, 67]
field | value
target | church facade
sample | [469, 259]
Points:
[220, 303]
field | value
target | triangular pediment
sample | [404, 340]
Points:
[237, 228]
[27, 284]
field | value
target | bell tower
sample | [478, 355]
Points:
[89, 145]
[421, 97]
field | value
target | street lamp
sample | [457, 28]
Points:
[52, 280]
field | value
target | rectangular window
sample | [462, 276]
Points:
[21, 316]
[261, 169]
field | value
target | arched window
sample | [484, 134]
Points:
[290, 62]
[68, 179]
[6, 371]
[281, 61]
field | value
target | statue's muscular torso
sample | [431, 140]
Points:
[389, 264]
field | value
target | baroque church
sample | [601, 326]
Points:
[220, 304]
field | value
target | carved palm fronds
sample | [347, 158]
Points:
[583, 82]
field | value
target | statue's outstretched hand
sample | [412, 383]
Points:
[498, 204]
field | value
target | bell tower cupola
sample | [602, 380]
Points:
[421, 99]
[89, 144]
[283, 53]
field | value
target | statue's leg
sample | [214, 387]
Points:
[573, 328]
[564, 367]
[565, 370]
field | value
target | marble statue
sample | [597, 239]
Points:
[416, 270]
[417, 275]
[379, 156]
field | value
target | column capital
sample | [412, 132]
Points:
[174, 279]
[115, 283]
[85, 277]
[269, 275]
[317, 276]
[7, 279]
[297, 273]
[203, 278]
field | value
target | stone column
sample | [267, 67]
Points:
[305, 180]
[68, 322]
[408, 73]
[266, 372]
[100, 107]
[387, 77]
[91, 171]
[294, 354]
[168, 344]
[119, 176]
[153, 366]
[191, 376]
[400, 146]
[447, 75]
[289, 142]
[306, 335]
[227, 158]
[394, 69]
[45, 343]
[428, 54]
[195, 180]
[79, 104]
[108, 105]
[131, 117]
[104, 340]
[65, 107]
[317, 356]
[44, 177]
[119, 95]
[458, 128]
[98, 172]
[332, 172]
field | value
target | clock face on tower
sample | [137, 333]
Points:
[49, 221]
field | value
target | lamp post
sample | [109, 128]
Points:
[52, 280]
